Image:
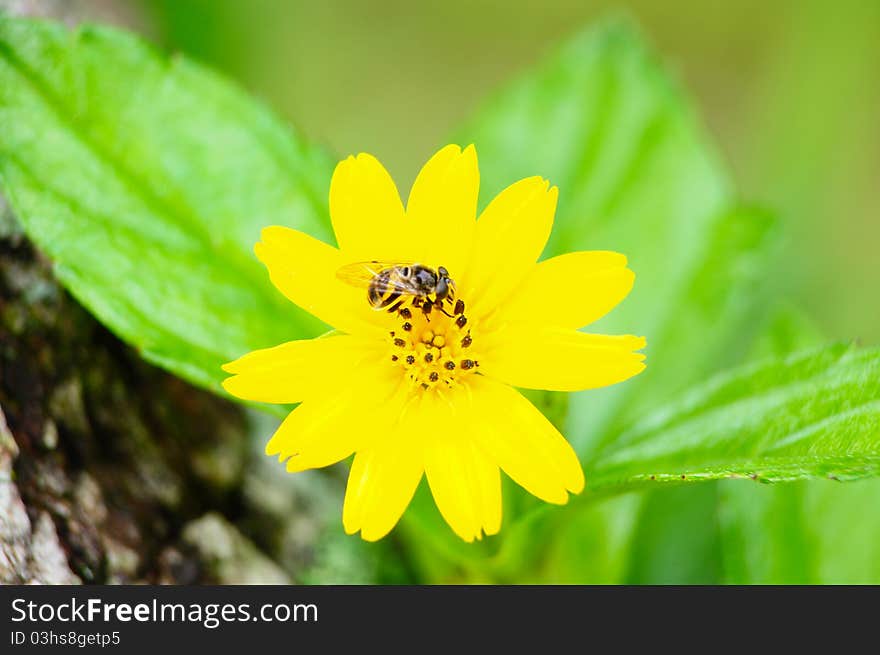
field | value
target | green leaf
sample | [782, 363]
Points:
[811, 532]
[818, 532]
[813, 414]
[146, 179]
[684, 533]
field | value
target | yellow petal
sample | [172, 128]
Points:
[514, 434]
[381, 483]
[304, 269]
[511, 233]
[464, 481]
[540, 357]
[366, 210]
[296, 370]
[442, 208]
[310, 436]
[571, 290]
[330, 426]
[386, 472]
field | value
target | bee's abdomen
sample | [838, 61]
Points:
[379, 300]
[379, 292]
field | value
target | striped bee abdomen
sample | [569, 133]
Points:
[381, 291]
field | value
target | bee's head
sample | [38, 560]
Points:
[445, 284]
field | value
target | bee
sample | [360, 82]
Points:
[390, 284]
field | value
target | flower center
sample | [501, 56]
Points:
[434, 350]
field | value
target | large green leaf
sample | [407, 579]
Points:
[810, 532]
[146, 179]
[810, 415]
[684, 531]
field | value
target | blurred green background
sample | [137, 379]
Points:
[789, 90]
[789, 93]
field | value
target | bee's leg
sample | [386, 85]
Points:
[459, 307]
[395, 306]
[439, 305]
[427, 306]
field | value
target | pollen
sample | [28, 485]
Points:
[428, 349]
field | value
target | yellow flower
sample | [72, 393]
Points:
[411, 392]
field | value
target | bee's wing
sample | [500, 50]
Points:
[359, 274]
[362, 274]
